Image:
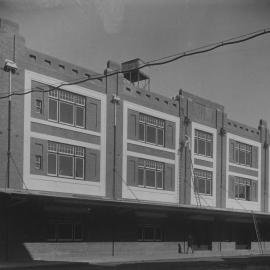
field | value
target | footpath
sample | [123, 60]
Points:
[198, 261]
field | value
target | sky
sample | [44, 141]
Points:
[90, 32]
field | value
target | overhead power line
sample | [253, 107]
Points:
[159, 61]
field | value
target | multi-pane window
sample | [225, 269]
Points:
[243, 154]
[203, 143]
[66, 160]
[245, 189]
[150, 174]
[149, 233]
[151, 129]
[203, 181]
[64, 231]
[67, 108]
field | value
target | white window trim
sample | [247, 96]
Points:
[156, 195]
[56, 184]
[205, 199]
[233, 203]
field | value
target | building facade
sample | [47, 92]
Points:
[106, 167]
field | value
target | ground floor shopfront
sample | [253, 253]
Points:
[53, 227]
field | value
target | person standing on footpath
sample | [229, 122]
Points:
[190, 243]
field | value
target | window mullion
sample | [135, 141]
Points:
[74, 114]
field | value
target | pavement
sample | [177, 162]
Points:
[200, 260]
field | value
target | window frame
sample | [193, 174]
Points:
[245, 183]
[157, 123]
[142, 228]
[74, 155]
[60, 96]
[56, 228]
[198, 139]
[143, 166]
[242, 147]
[205, 179]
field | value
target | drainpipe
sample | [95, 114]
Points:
[186, 123]
[222, 134]
[116, 101]
[265, 146]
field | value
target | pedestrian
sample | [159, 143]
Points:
[179, 248]
[190, 243]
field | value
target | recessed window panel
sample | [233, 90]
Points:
[208, 187]
[208, 149]
[248, 158]
[79, 167]
[151, 134]
[241, 191]
[160, 136]
[38, 162]
[53, 111]
[140, 176]
[150, 178]
[248, 191]
[242, 159]
[52, 163]
[201, 147]
[39, 107]
[201, 186]
[80, 115]
[66, 113]
[159, 176]
[141, 132]
[65, 165]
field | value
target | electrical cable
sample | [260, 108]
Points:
[151, 63]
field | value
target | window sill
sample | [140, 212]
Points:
[64, 126]
[243, 166]
[154, 146]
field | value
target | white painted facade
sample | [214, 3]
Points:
[141, 193]
[57, 184]
[205, 200]
[238, 203]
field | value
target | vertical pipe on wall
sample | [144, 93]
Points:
[114, 158]
[180, 96]
[186, 153]
[221, 160]
[9, 132]
[266, 188]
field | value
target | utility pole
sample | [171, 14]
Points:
[10, 67]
